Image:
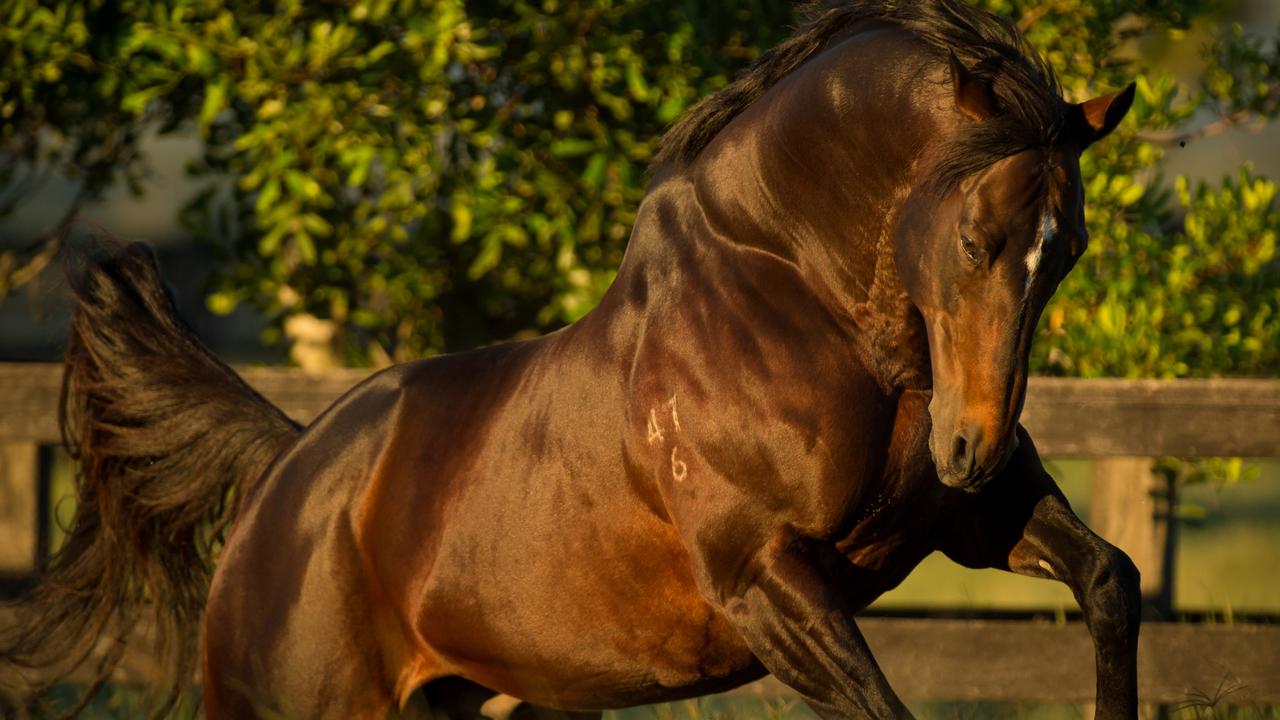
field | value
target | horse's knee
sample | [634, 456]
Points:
[1115, 574]
[1112, 591]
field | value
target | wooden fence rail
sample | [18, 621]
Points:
[1119, 423]
[1067, 417]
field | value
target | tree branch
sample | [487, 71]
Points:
[1244, 120]
[18, 267]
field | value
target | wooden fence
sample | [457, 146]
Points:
[1120, 424]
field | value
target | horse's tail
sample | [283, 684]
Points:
[167, 440]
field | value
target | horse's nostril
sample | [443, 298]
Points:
[961, 454]
[965, 448]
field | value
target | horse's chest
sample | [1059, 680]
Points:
[893, 524]
[896, 529]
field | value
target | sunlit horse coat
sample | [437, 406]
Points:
[806, 377]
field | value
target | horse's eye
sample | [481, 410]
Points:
[971, 249]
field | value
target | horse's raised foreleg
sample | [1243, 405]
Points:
[1022, 523]
[793, 619]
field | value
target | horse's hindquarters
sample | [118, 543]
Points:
[293, 626]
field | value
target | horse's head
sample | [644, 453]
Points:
[980, 257]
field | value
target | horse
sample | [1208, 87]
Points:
[806, 377]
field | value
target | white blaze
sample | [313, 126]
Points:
[1047, 229]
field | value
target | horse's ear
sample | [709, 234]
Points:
[1102, 114]
[974, 96]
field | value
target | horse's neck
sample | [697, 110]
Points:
[815, 173]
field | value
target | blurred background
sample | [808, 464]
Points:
[357, 183]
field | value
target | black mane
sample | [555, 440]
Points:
[1032, 112]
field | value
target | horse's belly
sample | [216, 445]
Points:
[580, 613]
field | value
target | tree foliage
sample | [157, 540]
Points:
[1177, 282]
[429, 175]
[433, 175]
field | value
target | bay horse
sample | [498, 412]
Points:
[806, 377]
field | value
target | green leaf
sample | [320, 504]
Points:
[488, 258]
[215, 99]
[571, 147]
[268, 197]
[222, 302]
[137, 101]
[594, 173]
[1130, 195]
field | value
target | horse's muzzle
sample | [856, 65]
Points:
[966, 464]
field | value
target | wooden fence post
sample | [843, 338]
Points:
[1132, 508]
[19, 507]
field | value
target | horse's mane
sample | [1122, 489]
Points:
[1026, 89]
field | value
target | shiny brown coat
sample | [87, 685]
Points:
[709, 474]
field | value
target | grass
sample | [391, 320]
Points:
[113, 702]
[718, 708]
[127, 704]
[753, 709]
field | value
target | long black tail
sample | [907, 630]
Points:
[167, 438]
